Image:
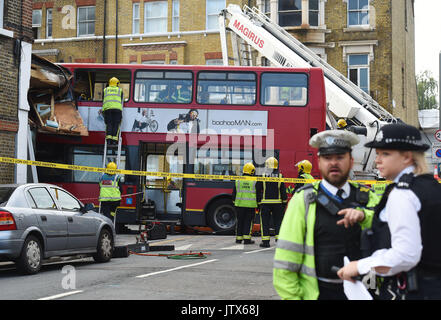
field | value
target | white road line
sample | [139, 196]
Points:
[185, 247]
[234, 247]
[174, 269]
[259, 250]
[61, 295]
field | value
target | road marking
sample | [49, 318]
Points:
[184, 247]
[174, 269]
[235, 247]
[61, 295]
[259, 250]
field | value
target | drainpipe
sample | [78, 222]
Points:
[116, 34]
[104, 31]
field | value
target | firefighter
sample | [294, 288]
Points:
[244, 198]
[110, 193]
[406, 224]
[304, 168]
[272, 198]
[314, 237]
[342, 124]
[112, 110]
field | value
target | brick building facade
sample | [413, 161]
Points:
[370, 41]
[15, 48]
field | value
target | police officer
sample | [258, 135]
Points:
[272, 198]
[244, 197]
[110, 194]
[304, 168]
[322, 224]
[112, 110]
[406, 225]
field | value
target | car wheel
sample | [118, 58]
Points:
[31, 256]
[221, 215]
[104, 247]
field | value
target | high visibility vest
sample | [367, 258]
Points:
[112, 98]
[181, 97]
[245, 194]
[273, 198]
[306, 176]
[294, 275]
[379, 188]
[109, 190]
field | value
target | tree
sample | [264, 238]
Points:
[427, 89]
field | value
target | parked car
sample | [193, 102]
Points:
[39, 221]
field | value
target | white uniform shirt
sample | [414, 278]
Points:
[332, 189]
[401, 215]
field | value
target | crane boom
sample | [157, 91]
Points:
[344, 98]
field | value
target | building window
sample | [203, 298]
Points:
[267, 8]
[214, 7]
[358, 12]
[155, 16]
[86, 21]
[135, 18]
[49, 23]
[214, 62]
[36, 23]
[175, 15]
[358, 70]
[153, 62]
[290, 13]
[313, 13]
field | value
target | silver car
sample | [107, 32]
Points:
[39, 221]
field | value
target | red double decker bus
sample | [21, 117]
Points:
[208, 120]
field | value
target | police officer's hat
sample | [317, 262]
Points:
[334, 142]
[398, 136]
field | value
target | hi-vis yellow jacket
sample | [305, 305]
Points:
[294, 275]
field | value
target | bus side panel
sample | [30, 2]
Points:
[197, 195]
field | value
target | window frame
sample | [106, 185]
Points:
[164, 78]
[210, 15]
[262, 87]
[85, 21]
[49, 24]
[358, 10]
[147, 19]
[136, 20]
[176, 6]
[358, 67]
[225, 81]
[279, 12]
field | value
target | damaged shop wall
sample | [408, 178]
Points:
[52, 107]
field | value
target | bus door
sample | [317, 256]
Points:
[162, 196]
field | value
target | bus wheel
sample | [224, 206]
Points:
[221, 215]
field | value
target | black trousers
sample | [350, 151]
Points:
[112, 119]
[266, 210]
[109, 206]
[429, 288]
[244, 220]
[331, 291]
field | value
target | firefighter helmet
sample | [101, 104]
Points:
[111, 165]
[304, 166]
[114, 82]
[272, 163]
[249, 168]
[341, 123]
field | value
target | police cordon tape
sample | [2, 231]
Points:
[167, 174]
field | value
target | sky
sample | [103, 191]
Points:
[427, 36]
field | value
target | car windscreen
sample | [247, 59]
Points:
[5, 193]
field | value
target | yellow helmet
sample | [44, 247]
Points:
[272, 163]
[304, 166]
[341, 123]
[111, 165]
[114, 82]
[249, 168]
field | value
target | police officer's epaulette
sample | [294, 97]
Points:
[306, 186]
[405, 181]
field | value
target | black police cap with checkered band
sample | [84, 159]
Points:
[398, 136]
